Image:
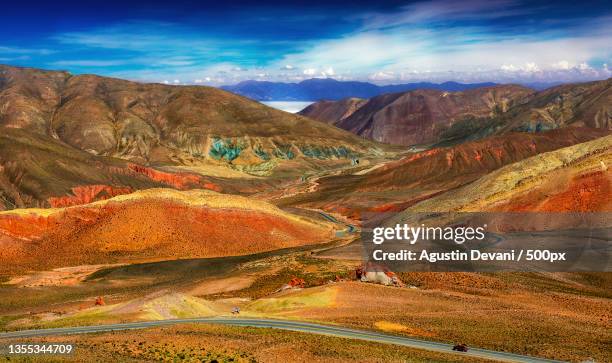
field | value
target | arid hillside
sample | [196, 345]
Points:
[332, 112]
[420, 116]
[575, 178]
[155, 123]
[150, 225]
[40, 171]
[582, 104]
[443, 118]
[397, 185]
[557, 190]
[464, 162]
[67, 140]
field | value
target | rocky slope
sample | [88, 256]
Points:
[583, 104]
[560, 189]
[40, 171]
[574, 178]
[333, 112]
[154, 123]
[421, 176]
[421, 116]
[449, 118]
[465, 161]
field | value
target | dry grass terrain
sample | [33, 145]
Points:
[558, 316]
[204, 343]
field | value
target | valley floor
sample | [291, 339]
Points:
[556, 316]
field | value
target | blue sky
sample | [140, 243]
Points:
[199, 42]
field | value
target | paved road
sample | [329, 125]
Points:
[284, 325]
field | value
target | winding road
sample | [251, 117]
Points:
[302, 327]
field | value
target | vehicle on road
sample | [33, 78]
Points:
[460, 348]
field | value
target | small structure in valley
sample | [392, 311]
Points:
[378, 274]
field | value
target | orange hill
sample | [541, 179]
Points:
[152, 224]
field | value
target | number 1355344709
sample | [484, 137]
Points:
[37, 348]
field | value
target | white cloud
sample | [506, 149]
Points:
[411, 52]
[437, 10]
[406, 46]
[583, 66]
[563, 64]
[382, 76]
[328, 72]
[531, 67]
[28, 51]
[509, 68]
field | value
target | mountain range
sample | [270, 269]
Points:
[433, 117]
[103, 170]
[330, 89]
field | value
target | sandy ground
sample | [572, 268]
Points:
[222, 285]
[65, 276]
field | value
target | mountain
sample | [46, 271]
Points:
[582, 104]
[333, 111]
[330, 89]
[59, 132]
[540, 86]
[417, 117]
[444, 118]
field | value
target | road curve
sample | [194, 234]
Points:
[297, 326]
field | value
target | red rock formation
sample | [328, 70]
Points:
[27, 226]
[466, 162]
[297, 282]
[180, 181]
[84, 194]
